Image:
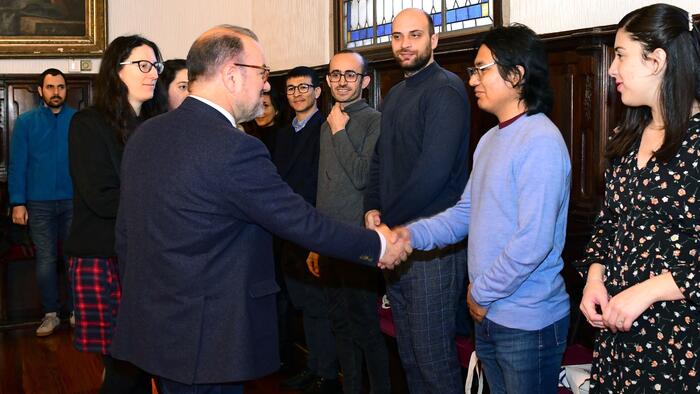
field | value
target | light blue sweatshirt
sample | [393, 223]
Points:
[514, 210]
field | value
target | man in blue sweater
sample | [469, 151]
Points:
[40, 186]
[514, 209]
[419, 169]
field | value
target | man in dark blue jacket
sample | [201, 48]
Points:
[199, 199]
[40, 186]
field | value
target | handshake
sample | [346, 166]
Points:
[398, 241]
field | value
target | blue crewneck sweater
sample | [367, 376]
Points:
[514, 210]
[39, 157]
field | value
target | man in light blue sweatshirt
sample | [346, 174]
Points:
[514, 210]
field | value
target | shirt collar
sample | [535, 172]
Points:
[300, 124]
[218, 108]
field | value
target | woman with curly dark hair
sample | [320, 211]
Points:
[642, 262]
[124, 98]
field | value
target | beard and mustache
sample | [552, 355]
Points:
[55, 101]
[421, 60]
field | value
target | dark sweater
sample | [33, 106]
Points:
[420, 164]
[296, 157]
[95, 156]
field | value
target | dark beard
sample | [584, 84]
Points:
[418, 64]
[52, 105]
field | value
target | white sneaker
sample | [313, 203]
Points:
[48, 324]
[72, 319]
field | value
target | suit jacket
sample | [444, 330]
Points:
[199, 199]
[296, 156]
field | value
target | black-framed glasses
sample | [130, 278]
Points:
[145, 66]
[265, 69]
[478, 70]
[302, 88]
[349, 75]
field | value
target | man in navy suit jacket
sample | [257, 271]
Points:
[199, 199]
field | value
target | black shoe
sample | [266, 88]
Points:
[324, 386]
[299, 381]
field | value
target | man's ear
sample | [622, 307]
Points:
[230, 76]
[317, 92]
[366, 79]
[41, 92]
[515, 78]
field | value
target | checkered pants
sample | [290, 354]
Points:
[424, 293]
[96, 294]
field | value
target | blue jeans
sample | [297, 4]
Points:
[49, 222]
[518, 361]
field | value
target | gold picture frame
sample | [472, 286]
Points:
[53, 28]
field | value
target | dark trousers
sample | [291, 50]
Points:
[424, 293]
[123, 377]
[167, 386]
[307, 295]
[352, 292]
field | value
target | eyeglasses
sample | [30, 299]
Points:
[302, 87]
[350, 76]
[265, 69]
[145, 66]
[478, 70]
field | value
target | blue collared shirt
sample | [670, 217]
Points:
[297, 125]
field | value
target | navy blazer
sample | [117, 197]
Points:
[199, 199]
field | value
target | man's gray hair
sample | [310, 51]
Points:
[210, 51]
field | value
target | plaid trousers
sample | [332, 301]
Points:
[96, 295]
[424, 293]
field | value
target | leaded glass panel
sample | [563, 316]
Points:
[368, 22]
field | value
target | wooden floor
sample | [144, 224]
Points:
[51, 365]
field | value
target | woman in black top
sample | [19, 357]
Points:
[643, 260]
[124, 97]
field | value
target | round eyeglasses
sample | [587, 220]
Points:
[145, 66]
[350, 76]
[302, 87]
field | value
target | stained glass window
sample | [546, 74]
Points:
[368, 22]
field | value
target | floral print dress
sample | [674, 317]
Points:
[649, 225]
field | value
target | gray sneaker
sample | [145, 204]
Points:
[48, 324]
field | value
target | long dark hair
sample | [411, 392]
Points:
[170, 69]
[111, 94]
[671, 29]
[517, 45]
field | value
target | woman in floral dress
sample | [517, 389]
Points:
[643, 284]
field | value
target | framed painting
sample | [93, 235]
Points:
[53, 28]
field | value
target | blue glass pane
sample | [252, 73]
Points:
[384, 30]
[354, 36]
[474, 11]
[437, 18]
[348, 15]
[451, 16]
